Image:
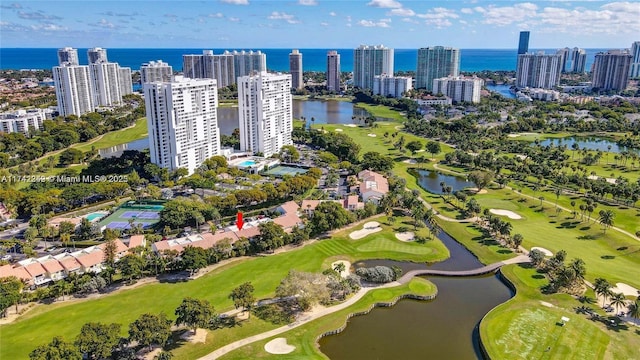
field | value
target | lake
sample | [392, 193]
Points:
[443, 328]
[503, 90]
[323, 112]
[588, 142]
[430, 181]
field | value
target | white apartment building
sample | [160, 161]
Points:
[333, 71]
[459, 88]
[126, 83]
[68, 56]
[369, 61]
[436, 62]
[394, 86]
[74, 89]
[634, 71]
[156, 71]
[538, 70]
[248, 62]
[97, 55]
[182, 122]
[295, 68]
[23, 120]
[223, 69]
[106, 83]
[265, 111]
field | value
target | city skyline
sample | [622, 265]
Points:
[318, 23]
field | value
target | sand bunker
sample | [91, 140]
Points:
[544, 303]
[410, 161]
[351, 125]
[521, 157]
[520, 134]
[595, 177]
[508, 213]
[339, 130]
[405, 236]
[372, 135]
[278, 346]
[199, 337]
[347, 265]
[475, 190]
[369, 228]
[625, 289]
[542, 250]
[421, 150]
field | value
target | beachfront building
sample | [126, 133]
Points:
[126, 82]
[333, 71]
[577, 61]
[156, 71]
[459, 88]
[523, 44]
[74, 89]
[564, 57]
[391, 86]
[611, 70]
[634, 71]
[369, 61]
[295, 69]
[538, 70]
[182, 122]
[193, 65]
[105, 77]
[97, 55]
[249, 62]
[23, 121]
[265, 110]
[434, 63]
[223, 69]
[68, 56]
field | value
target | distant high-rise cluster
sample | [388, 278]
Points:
[295, 69]
[182, 122]
[611, 70]
[225, 67]
[369, 61]
[635, 61]
[578, 61]
[436, 62]
[265, 110]
[459, 88]
[81, 88]
[538, 70]
[333, 71]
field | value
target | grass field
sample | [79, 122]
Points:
[44, 321]
[381, 111]
[303, 338]
[522, 328]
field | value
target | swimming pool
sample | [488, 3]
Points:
[94, 216]
[247, 163]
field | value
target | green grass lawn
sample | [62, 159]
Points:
[39, 325]
[304, 337]
[117, 137]
[522, 328]
[382, 111]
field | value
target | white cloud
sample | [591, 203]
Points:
[401, 12]
[236, 2]
[506, 15]
[439, 13]
[307, 2]
[409, 20]
[37, 15]
[276, 15]
[234, 19]
[466, 11]
[387, 4]
[333, 13]
[216, 15]
[103, 23]
[383, 23]
[324, 23]
[438, 23]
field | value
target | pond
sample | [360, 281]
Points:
[323, 112]
[588, 142]
[443, 328]
[503, 90]
[430, 181]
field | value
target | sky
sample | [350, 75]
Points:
[317, 23]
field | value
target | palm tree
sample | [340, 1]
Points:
[634, 310]
[618, 300]
[606, 219]
[603, 288]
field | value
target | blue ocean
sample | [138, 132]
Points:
[277, 59]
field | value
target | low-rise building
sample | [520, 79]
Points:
[373, 186]
[23, 121]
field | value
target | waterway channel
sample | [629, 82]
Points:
[443, 328]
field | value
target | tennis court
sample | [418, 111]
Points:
[143, 214]
[280, 171]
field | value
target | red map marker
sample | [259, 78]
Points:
[239, 221]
